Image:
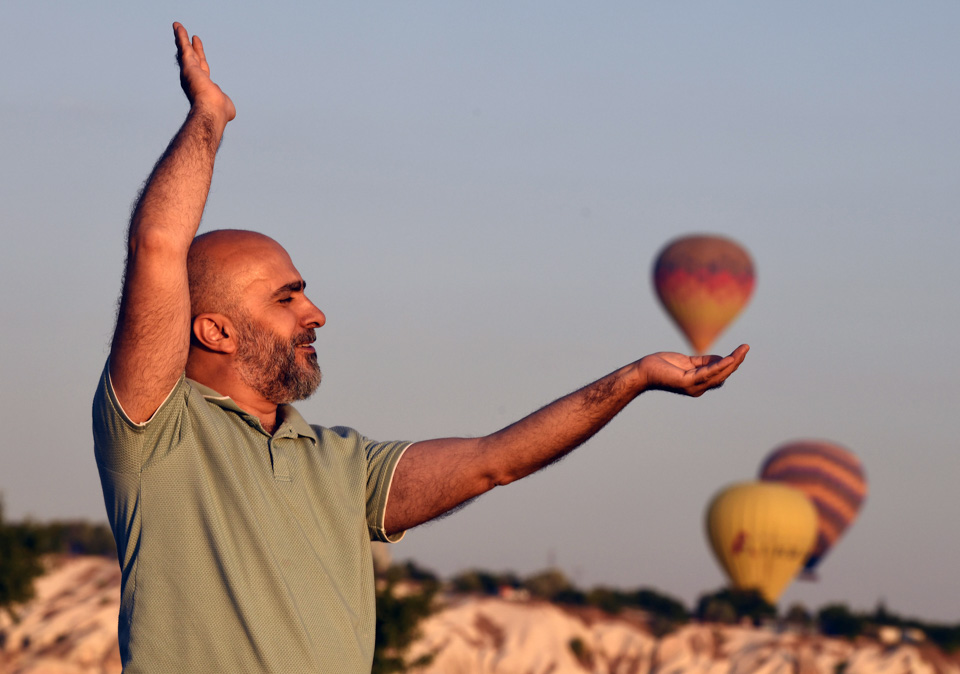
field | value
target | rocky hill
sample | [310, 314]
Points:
[70, 628]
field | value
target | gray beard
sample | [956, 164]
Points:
[269, 366]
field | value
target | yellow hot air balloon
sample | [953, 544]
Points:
[761, 533]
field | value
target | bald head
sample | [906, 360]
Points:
[251, 320]
[219, 265]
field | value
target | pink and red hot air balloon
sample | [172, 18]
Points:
[703, 282]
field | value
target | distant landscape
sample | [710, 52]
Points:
[59, 591]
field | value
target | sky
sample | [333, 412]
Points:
[475, 194]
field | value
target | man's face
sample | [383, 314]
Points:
[281, 369]
[274, 321]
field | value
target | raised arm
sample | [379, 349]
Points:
[436, 476]
[152, 336]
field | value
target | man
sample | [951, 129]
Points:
[243, 532]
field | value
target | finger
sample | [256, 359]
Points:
[198, 47]
[711, 365]
[738, 355]
[704, 361]
[715, 374]
[716, 363]
[185, 51]
[180, 37]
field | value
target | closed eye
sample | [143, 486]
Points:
[285, 294]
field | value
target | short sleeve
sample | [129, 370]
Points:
[123, 446]
[382, 459]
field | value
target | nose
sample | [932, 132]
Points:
[314, 318]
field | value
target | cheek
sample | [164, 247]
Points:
[283, 324]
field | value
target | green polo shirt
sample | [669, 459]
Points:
[241, 551]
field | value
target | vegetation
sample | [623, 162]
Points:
[553, 585]
[730, 606]
[582, 652]
[23, 544]
[405, 596]
[721, 606]
[838, 620]
[476, 581]
[75, 537]
[19, 565]
[798, 616]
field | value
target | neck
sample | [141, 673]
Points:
[226, 382]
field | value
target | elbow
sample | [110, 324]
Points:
[494, 467]
[155, 241]
[499, 477]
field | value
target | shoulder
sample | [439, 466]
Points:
[108, 409]
[124, 445]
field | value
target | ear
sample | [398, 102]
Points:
[215, 332]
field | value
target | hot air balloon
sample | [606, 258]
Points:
[761, 533]
[703, 282]
[831, 476]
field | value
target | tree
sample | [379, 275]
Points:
[665, 611]
[73, 537]
[798, 616]
[548, 584]
[19, 565]
[476, 581]
[409, 570]
[744, 604]
[836, 620]
[398, 619]
[661, 605]
[582, 652]
[712, 609]
[606, 599]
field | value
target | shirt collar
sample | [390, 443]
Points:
[292, 424]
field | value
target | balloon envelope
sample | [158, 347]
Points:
[831, 476]
[761, 532]
[703, 282]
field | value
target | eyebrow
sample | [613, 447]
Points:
[293, 287]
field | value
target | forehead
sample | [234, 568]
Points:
[258, 267]
[269, 271]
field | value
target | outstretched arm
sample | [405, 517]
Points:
[436, 476]
[152, 336]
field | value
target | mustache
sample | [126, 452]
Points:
[308, 336]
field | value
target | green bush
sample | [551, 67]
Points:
[750, 604]
[582, 652]
[547, 584]
[836, 620]
[661, 605]
[19, 565]
[476, 581]
[398, 620]
[74, 537]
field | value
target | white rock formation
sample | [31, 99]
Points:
[71, 625]
[71, 628]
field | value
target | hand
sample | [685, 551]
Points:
[689, 375]
[195, 80]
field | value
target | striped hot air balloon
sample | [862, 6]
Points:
[703, 282]
[831, 476]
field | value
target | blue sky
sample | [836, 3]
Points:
[475, 194]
